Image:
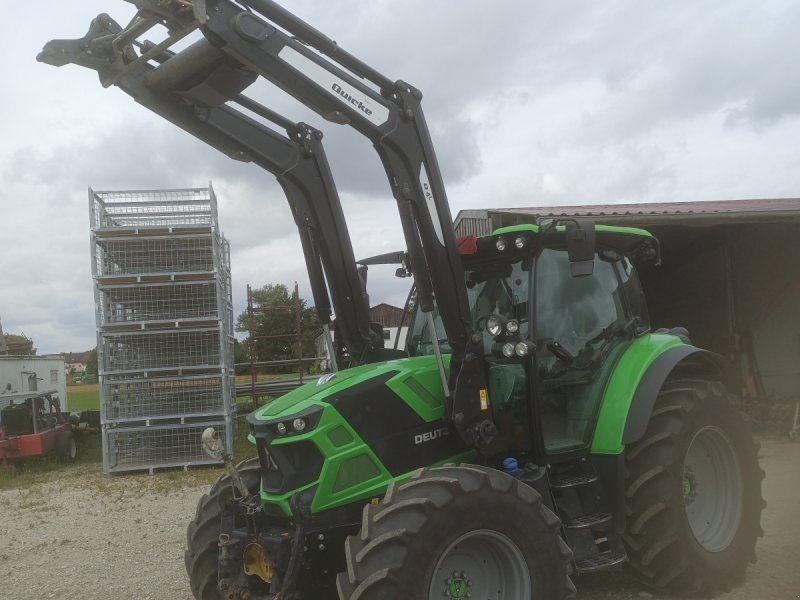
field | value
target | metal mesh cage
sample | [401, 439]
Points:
[138, 399]
[153, 208]
[161, 350]
[118, 257]
[164, 325]
[158, 302]
[158, 447]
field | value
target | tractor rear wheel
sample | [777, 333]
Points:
[693, 492]
[66, 447]
[202, 535]
[457, 532]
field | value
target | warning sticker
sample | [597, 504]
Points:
[484, 400]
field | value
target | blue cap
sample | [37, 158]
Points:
[510, 465]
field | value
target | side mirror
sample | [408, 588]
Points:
[580, 237]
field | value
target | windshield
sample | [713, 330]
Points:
[492, 288]
[574, 311]
[498, 289]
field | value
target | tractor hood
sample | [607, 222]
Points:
[345, 436]
[395, 373]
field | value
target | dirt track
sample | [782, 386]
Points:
[82, 535]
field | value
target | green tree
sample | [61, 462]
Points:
[275, 315]
[241, 356]
[91, 366]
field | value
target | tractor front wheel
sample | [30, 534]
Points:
[693, 492]
[457, 532]
[202, 535]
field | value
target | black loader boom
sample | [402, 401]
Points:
[259, 37]
[201, 91]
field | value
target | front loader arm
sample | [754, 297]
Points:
[388, 113]
[347, 92]
[198, 91]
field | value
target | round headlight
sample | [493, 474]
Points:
[494, 325]
[512, 326]
[281, 428]
[501, 244]
[299, 424]
[521, 349]
[508, 350]
[520, 242]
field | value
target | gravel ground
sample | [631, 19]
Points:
[82, 535]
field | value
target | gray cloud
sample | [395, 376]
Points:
[527, 102]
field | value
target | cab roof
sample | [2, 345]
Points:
[624, 239]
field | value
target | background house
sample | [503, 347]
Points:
[75, 362]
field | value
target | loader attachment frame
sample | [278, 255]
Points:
[260, 38]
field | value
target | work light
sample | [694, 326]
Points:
[494, 325]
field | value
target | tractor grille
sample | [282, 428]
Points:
[287, 467]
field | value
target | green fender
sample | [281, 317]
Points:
[633, 387]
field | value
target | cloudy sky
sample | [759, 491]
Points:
[529, 103]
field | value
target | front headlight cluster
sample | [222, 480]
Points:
[296, 425]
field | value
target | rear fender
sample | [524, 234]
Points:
[684, 362]
[641, 372]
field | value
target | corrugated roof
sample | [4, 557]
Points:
[763, 207]
[386, 314]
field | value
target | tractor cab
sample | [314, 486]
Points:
[555, 313]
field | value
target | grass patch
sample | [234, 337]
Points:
[83, 397]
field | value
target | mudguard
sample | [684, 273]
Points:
[632, 390]
[647, 391]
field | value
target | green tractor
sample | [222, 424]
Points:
[613, 444]
[534, 427]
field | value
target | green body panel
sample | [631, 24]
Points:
[421, 368]
[516, 229]
[598, 228]
[350, 471]
[422, 390]
[339, 444]
[622, 386]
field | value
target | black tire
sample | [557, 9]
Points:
[661, 489]
[66, 447]
[403, 538]
[202, 534]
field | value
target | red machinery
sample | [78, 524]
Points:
[33, 425]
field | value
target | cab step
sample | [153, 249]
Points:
[573, 481]
[601, 561]
[588, 521]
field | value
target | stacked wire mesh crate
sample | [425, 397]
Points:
[161, 271]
